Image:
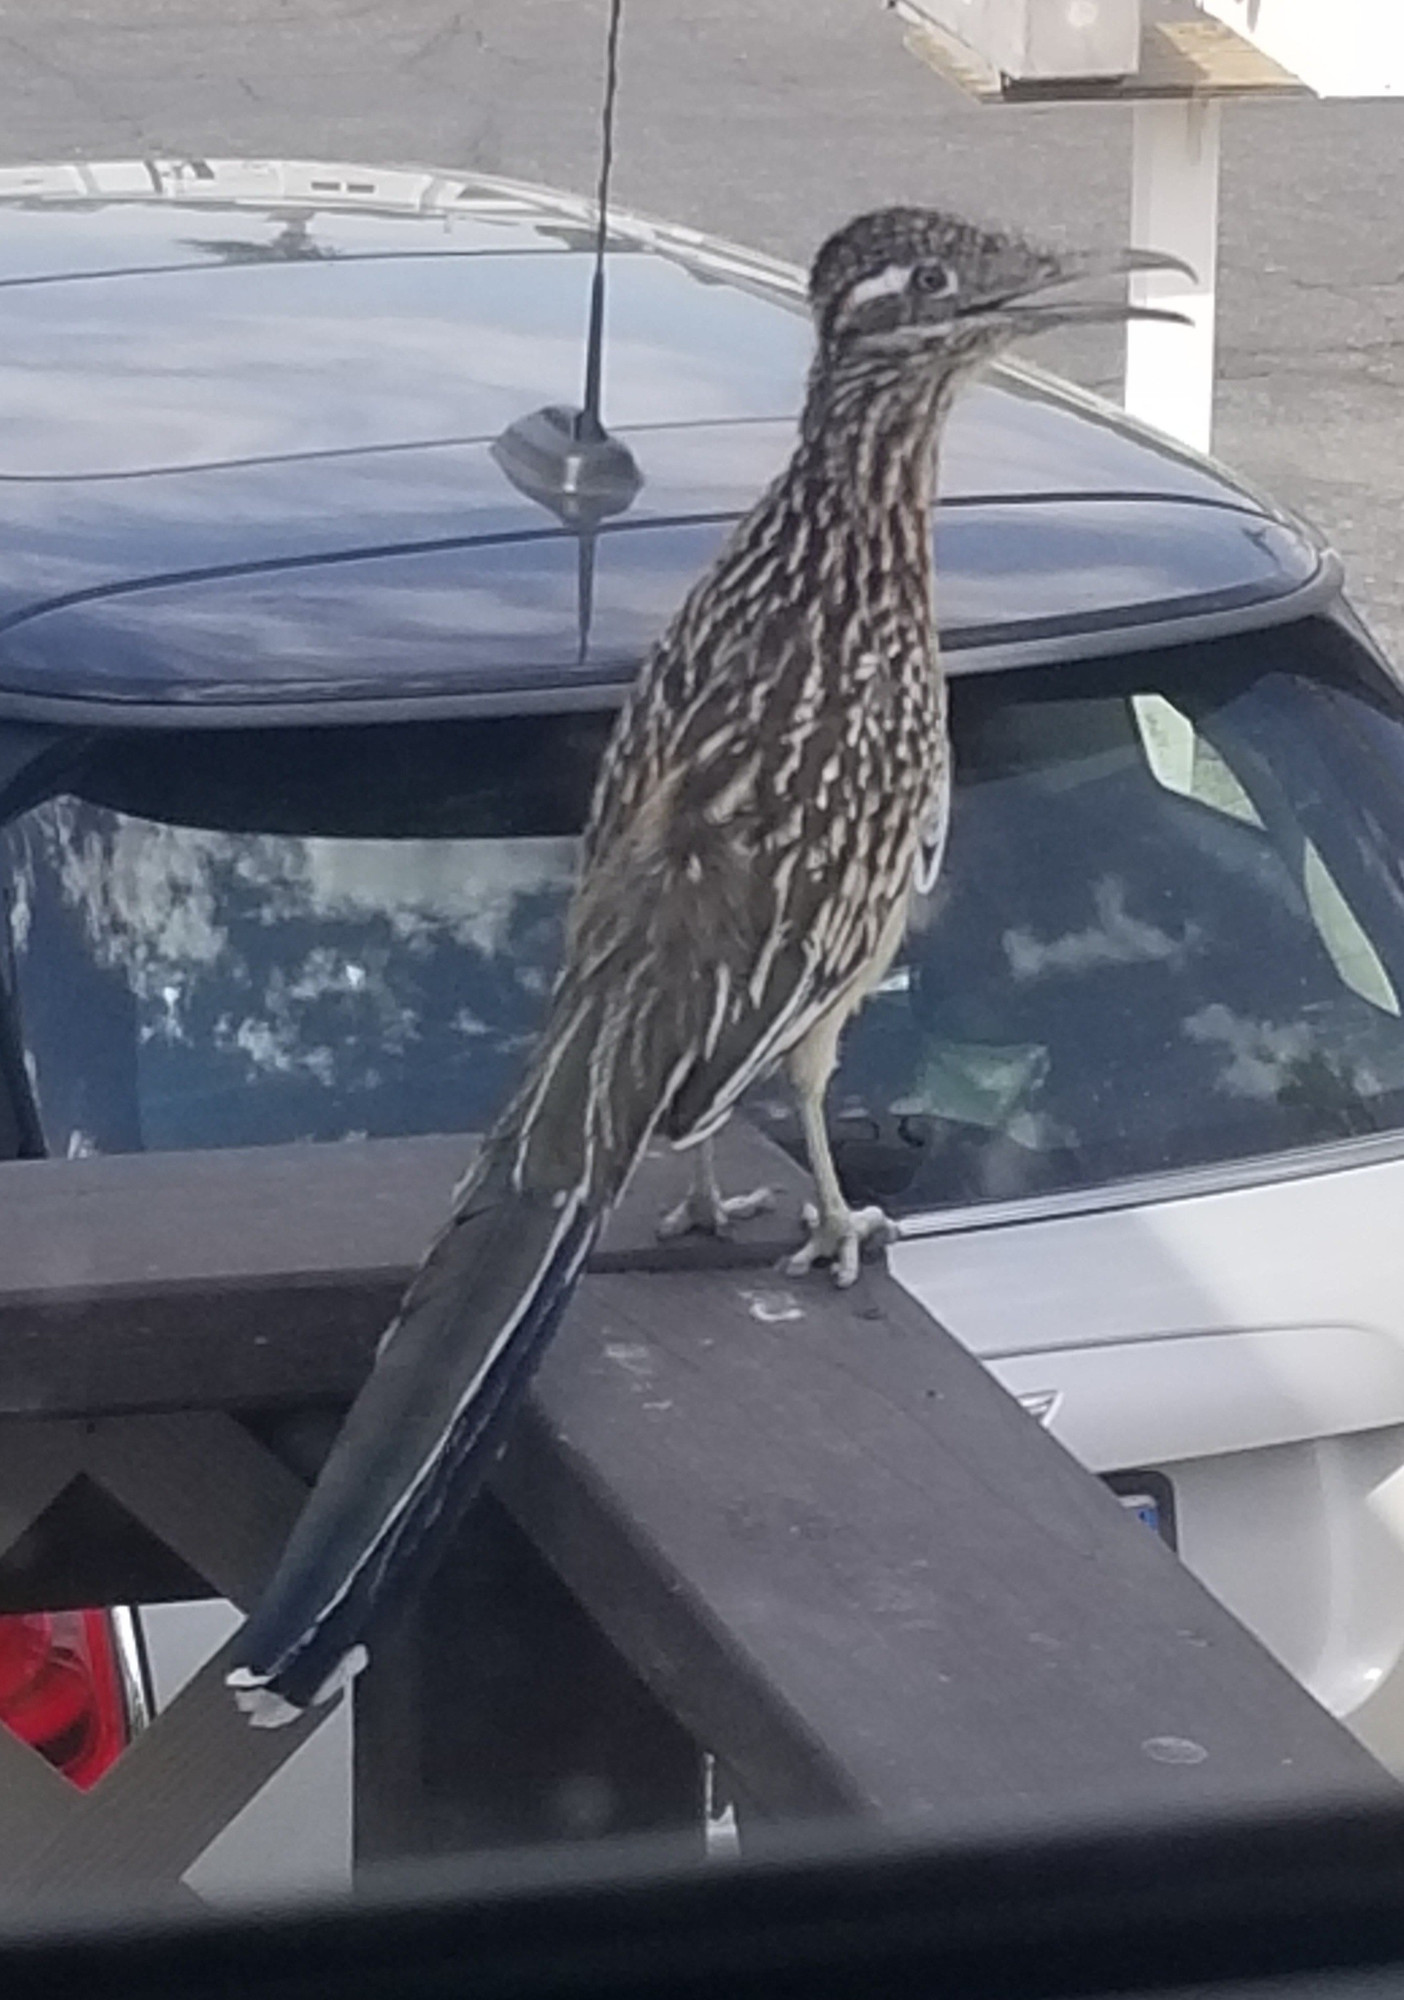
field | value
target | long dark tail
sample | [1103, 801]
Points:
[422, 1434]
[417, 1444]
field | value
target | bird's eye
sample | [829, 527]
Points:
[933, 279]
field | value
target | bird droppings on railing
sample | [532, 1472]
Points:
[632, 1356]
[1174, 1750]
[770, 1307]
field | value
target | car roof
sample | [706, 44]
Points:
[247, 472]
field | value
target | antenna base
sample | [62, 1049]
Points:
[580, 474]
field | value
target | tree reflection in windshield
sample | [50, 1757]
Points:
[279, 987]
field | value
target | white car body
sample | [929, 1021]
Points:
[1249, 1345]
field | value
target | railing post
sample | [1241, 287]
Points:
[496, 1714]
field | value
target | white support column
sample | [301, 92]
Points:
[1175, 207]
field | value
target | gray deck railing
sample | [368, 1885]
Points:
[800, 1529]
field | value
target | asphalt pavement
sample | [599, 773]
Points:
[768, 121]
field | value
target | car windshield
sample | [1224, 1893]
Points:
[1170, 931]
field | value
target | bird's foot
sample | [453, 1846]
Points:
[711, 1212]
[839, 1237]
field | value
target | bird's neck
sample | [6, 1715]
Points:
[870, 431]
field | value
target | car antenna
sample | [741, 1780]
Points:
[565, 459]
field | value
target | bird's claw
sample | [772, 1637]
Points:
[840, 1239]
[713, 1213]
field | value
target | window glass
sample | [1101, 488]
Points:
[1169, 933]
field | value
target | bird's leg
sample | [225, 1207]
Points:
[837, 1232]
[705, 1207]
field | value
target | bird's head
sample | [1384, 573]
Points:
[916, 281]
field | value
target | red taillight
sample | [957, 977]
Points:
[61, 1689]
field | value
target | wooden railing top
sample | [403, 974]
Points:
[262, 1276]
[815, 1525]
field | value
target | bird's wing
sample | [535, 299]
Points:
[775, 848]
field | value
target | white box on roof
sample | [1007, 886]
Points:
[1024, 39]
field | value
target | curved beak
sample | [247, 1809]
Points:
[1030, 313]
[1094, 264]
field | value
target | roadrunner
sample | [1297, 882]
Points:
[777, 783]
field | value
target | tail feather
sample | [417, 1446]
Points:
[417, 1445]
[423, 1432]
